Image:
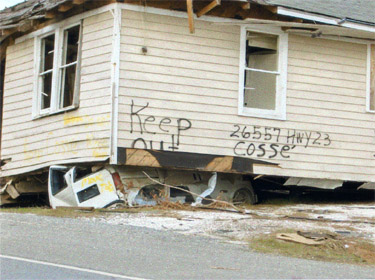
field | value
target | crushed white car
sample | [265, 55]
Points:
[80, 187]
[104, 186]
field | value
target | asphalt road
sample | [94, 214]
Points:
[60, 248]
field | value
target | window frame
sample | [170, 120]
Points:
[37, 111]
[281, 79]
[369, 79]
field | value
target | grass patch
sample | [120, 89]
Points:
[352, 251]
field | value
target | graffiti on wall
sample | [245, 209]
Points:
[272, 142]
[169, 129]
[250, 140]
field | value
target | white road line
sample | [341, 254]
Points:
[73, 268]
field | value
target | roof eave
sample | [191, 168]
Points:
[325, 19]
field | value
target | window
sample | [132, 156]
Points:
[371, 78]
[57, 81]
[263, 71]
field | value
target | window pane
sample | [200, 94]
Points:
[67, 86]
[46, 63]
[88, 193]
[260, 90]
[261, 51]
[68, 73]
[46, 88]
[71, 37]
[48, 46]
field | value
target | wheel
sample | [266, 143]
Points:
[244, 196]
[115, 204]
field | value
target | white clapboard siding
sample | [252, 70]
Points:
[219, 138]
[76, 136]
[195, 77]
[222, 114]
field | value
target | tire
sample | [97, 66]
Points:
[115, 204]
[244, 196]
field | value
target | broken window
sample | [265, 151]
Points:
[46, 69]
[69, 66]
[371, 78]
[58, 181]
[263, 74]
[58, 78]
[88, 193]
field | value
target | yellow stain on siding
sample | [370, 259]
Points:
[97, 120]
[98, 153]
[72, 120]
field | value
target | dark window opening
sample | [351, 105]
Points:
[69, 66]
[46, 69]
[88, 193]
[58, 181]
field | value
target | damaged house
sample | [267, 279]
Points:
[94, 93]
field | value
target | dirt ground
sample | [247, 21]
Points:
[351, 226]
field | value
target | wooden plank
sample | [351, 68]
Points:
[102, 75]
[190, 12]
[316, 73]
[223, 42]
[361, 155]
[272, 9]
[175, 30]
[93, 36]
[326, 66]
[97, 18]
[179, 55]
[69, 139]
[343, 163]
[10, 171]
[21, 130]
[314, 157]
[306, 79]
[51, 14]
[130, 16]
[217, 118]
[25, 116]
[208, 7]
[185, 160]
[226, 126]
[150, 86]
[65, 7]
[246, 6]
[173, 79]
[191, 47]
[87, 155]
[326, 89]
[326, 58]
[358, 53]
[98, 26]
[181, 72]
[78, 2]
[180, 63]
[328, 43]
[302, 111]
